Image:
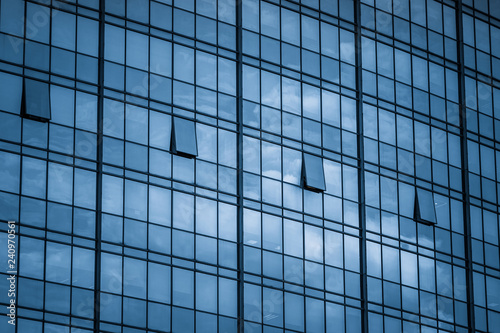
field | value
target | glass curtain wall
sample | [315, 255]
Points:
[255, 166]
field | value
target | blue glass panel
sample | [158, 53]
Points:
[158, 282]
[111, 273]
[161, 16]
[134, 312]
[294, 312]
[82, 303]
[112, 195]
[159, 239]
[184, 137]
[136, 124]
[135, 200]
[136, 233]
[9, 172]
[183, 287]
[227, 297]
[63, 30]
[111, 309]
[30, 293]
[315, 315]
[206, 292]
[158, 316]
[60, 184]
[159, 205]
[313, 243]
[182, 320]
[134, 278]
[313, 175]
[36, 100]
[57, 298]
[83, 267]
[32, 212]
[61, 139]
[58, 263]
[138, 10]
[31, 255]
[183, 244]
[85, 188]
[424, 206]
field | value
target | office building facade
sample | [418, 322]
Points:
[250, 166]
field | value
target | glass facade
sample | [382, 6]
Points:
[256, 166]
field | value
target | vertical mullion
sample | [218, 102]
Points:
[239, 119]
[361, 169]
[465, 168]
[100, 121]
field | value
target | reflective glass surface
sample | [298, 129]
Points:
[36, 100]
[424, 206]
[313, 172]
[184, 141]
[251, 166]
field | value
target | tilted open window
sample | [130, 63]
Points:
[313, 176]
[184, 138]
[36, 100]
[424, 210]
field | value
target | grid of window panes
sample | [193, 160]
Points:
[159, 236]
[416, 272]
[482, 69]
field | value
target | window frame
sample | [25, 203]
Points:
[314, 162]
[178, 142]
[422, 204]
[31, 100]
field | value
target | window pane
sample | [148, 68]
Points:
[36, 100]
[185, 137]
[313, 174]
[424, 206]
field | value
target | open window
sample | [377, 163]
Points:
[424, 210]
[313, 176]
[184, 138]
[36, 100]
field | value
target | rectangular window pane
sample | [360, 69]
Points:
[184, 138]
[313, 174]
[424, 207]
[36, 102]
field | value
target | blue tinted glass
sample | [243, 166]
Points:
[32, 212]
[206, 29]
[31, 257]
[63, 30]
[36, 101]
[30, 294]
[161, 16]
[134, 277]
[313, 174]
[111, 273]
[85, 188]
[184, 138]
[159, 283]
[60, 139]
[136, 156]
[138, 10]
[294, 312]
[58, 263]
[84, 222]
[9, 171]
[424, 206]
[159, 239]
[60, 184]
